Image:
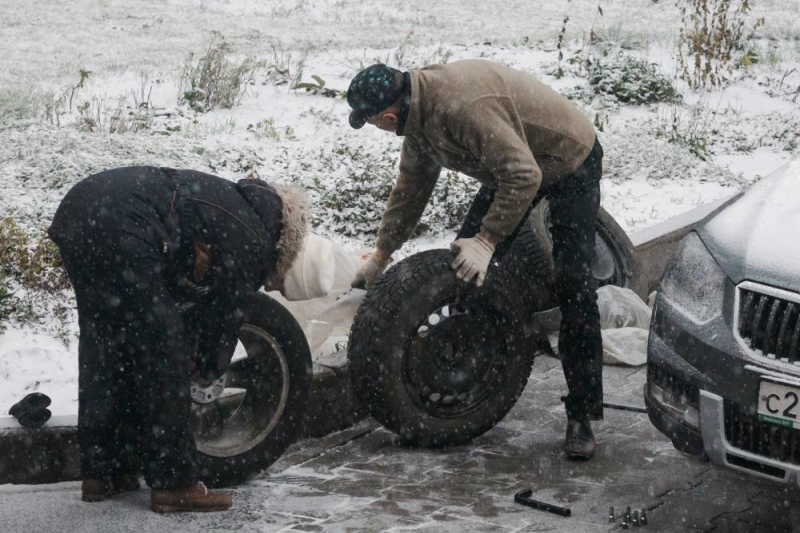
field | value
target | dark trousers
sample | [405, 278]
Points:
[573, 204]
[134, 366]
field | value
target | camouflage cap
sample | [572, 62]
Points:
[372, 90]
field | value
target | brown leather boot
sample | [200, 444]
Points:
[579, 442]
[189, 499]
[96, 490]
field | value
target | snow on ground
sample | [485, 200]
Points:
[31, 361]
[135, 55]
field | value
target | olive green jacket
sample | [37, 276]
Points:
[499, 125]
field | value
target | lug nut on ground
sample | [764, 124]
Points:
[637, 517]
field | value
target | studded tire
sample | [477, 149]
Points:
[433, 359]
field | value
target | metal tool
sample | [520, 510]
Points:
[618, 407]
[524, 498]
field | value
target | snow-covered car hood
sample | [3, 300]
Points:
[757, 236]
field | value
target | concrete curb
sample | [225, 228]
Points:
[44, 455]
[50, 454]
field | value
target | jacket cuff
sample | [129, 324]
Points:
[491, 237]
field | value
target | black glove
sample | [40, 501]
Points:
[31, 411]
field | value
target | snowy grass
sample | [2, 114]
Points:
[86, 86]
[18, 104]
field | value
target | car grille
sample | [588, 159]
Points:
[770, 324]
[744, 431]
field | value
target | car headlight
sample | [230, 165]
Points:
[694, 282]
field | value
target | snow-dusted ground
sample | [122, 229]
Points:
[135, 53]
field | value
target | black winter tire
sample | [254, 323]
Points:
[433, 359]
[615, 260]
[261, 409]
[528, 265]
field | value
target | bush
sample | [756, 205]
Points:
[687, 127]
[33, 262]
[214, 79]
[6, 296]
[631, 81]
[353, 204]
[351, 197]
[32, 278]
[711, 31]
[120, 116]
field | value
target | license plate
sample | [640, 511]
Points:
[779, 404]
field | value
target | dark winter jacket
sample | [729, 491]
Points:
[214, 242]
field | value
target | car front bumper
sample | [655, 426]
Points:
[702, 392]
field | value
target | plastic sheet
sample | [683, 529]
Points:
[327, 333]
[321, 267]
[625, 322]
[621, 308]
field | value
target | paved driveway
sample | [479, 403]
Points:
[362, 479]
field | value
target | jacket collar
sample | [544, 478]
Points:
[411, 120]
[405, 104]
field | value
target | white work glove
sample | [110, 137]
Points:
[473, 258]
[369, 273]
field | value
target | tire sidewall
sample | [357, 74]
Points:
[388, 398]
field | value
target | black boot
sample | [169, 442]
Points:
[579, 442]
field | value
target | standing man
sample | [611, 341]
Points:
[522, 141]
[161, 261]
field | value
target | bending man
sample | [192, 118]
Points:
[522, 141]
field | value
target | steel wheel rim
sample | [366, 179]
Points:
[455, 361]
[239, 421]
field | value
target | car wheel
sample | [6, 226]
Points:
[248, 417]
[436, 360]
[615, 261]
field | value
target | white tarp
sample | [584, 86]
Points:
[317, 292]
[321, 267]
[624, 323]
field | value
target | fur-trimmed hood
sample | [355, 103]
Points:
[284, 206]
[294, 215]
